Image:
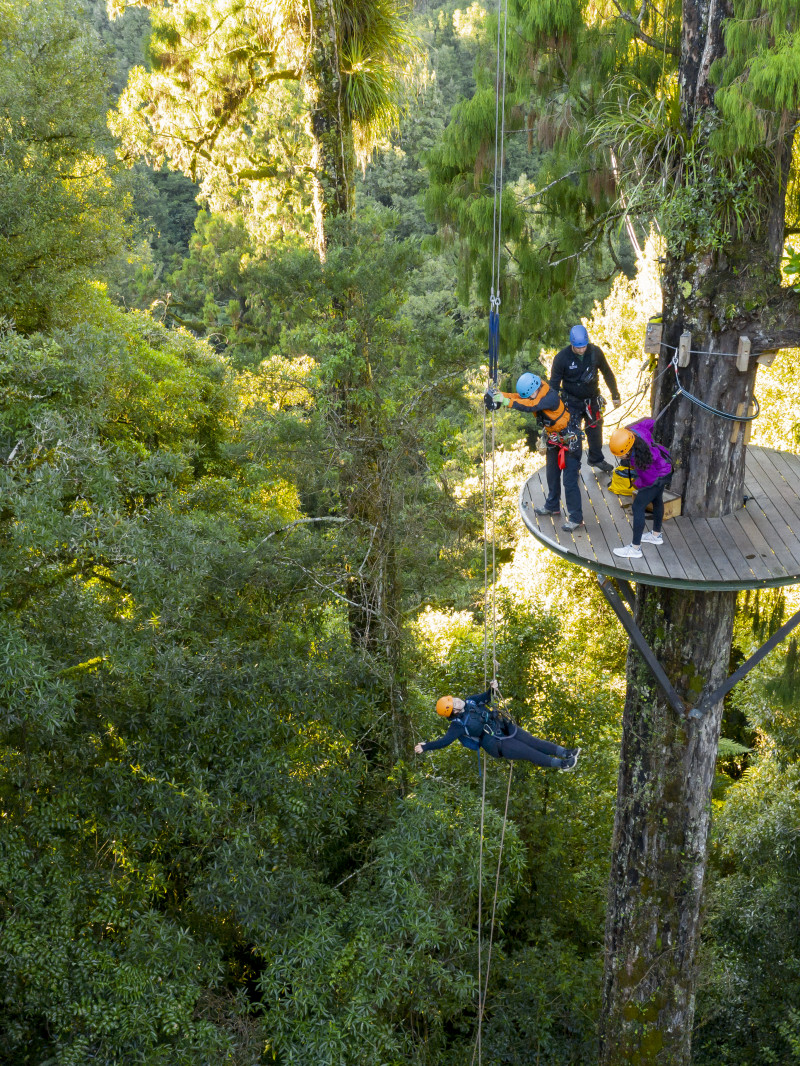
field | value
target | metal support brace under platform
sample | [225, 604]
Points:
[707, 700]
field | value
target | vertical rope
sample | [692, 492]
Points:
[497, 124]
[494, 328]
[494, 574]
[496, 889]
[481, 992]
[485, 564]
[502, 124]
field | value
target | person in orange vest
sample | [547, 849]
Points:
[535, 396]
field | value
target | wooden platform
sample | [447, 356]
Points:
[757, 546]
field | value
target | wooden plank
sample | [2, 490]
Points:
[616, 530]
[598, 518]
[663, 558]
[746, 547]
[733, 553]
[604, 534]
[692, 568]
[765, 523]
[702, 556]
[789, 468]
[762, 498]
[727, 570]
[776, 485]
[624, 530]
[764, 550]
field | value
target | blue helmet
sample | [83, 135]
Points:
[578, 337]
[528, 384]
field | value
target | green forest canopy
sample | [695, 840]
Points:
[241, 528]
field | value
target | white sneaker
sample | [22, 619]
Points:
[652, 538]
[630, 551]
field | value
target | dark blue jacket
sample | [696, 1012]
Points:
[468, 724]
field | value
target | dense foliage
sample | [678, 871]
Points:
[241, 556]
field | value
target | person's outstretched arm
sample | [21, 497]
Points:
[455, 730]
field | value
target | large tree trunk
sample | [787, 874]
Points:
[667, 768]
[333, 153]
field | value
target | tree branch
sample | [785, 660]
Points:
[298, 522]
[777, 324]
[645, 38]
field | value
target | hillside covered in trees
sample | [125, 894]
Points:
[245, 261]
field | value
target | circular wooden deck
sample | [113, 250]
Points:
[757, 546]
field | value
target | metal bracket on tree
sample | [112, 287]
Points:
[708, 699]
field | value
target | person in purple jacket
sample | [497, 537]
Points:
[650, 467]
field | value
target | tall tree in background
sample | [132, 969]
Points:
[270, 104]
[693, 110]
[60, 217]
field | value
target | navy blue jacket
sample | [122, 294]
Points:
[576, 376]
[464, 724]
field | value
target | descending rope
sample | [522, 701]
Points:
[481, 990]
[496, 889]
[494, 345]
[497, 206]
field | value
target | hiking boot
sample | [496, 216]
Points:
[570, 762]
[652, 538]
[570, 526]
[630, 551]
[546, 511]
[602, 468]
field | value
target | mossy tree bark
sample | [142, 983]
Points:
[667, 767]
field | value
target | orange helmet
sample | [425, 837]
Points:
[621, 441]
[444, 706]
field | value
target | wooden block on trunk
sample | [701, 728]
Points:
[684, 348]
[652, 337]
[737, 425]
[743, 356]
[748, 426]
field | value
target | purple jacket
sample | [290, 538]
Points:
[660, 467]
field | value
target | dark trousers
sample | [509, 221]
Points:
[593, 430]
[531, 749]
[655, 495]
[572, 491]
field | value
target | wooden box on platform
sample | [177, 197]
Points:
[672, 504]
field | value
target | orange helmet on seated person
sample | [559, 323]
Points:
[621, 442]
[444, 706]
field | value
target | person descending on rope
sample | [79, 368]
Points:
[534, 396]
[476, 724]
[575, 374]
[651, 465]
